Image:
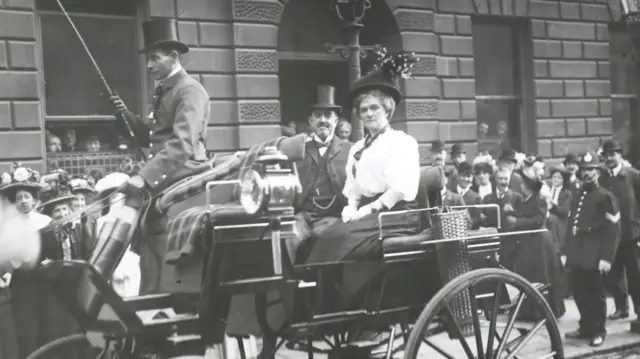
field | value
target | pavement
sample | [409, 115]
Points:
[620, 343]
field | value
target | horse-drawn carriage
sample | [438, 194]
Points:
[439, 292]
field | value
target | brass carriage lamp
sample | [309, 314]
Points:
[271, 185]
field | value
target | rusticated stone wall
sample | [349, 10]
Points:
[21, 116]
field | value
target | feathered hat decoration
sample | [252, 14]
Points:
[20, 177]
[385, 75]
[81, 184]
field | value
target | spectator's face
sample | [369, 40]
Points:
[54, 144]
[60, 210]
[70, 138]
[344, 132]
[25, 201]
[160, 63]
[323, 122]
[571, 167]
[612, 159]
[465, 180]
[80, 202]
[483, 129]
[507, 165]
[458, 158]
[502, 180]
[556, 179]
[439, 158]
[483, 178]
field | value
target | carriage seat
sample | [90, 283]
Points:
[420, 241]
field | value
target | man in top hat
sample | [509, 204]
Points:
[176, 127]
[624, 183]
[321, 172]
[175, 130]
[507, 160]
[469, 196]
[589, 249]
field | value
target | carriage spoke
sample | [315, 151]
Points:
[437, 349]
[494, 319]
[458, 332]
[476, 322]
[510, 323]
[526, 339]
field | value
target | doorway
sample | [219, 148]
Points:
[298, 82]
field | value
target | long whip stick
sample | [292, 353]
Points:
[104, 80]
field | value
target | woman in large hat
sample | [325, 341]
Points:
[40, 316]
[534, 256]
[84, 192]
[22, 187]
[383, 173]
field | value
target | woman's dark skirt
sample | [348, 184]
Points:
[356, 241]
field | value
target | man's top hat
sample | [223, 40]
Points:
[611, 146]
[570, 158]
[385, 76]
[590, 160]
[508, 155]
[456, 149]
[162, 33]
[326, 99]
[437, 146]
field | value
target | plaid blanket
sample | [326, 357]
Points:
[187, 229]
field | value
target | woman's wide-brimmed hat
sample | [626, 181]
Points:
[162, 33]
[57, 191]
[20, 178]
[531, 178]
[385, 76]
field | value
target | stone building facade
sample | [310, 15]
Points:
[562, 84]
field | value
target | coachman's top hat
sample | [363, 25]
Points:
[162, 33]
[385, 76]
[326, 99]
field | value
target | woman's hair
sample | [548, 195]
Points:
[385, 99]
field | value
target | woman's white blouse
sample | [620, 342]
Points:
[392, 162]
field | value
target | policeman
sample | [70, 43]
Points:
[589, 249]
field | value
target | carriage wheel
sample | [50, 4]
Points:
[504, 335]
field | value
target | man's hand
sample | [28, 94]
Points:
[511, 220]
[563, 259]
[604, 267]
[347, 213]
[508, 208]
[118, 103]
[136, 181]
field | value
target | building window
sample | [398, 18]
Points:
[78, 113]
[498, 54]
[624, 100]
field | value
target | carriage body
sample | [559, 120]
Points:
[273, 298]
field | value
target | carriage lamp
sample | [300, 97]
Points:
[271, 185]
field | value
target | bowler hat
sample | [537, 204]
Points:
[570, 158]
[456, 149]
[162, 33]
[437, 146]
[325, 95]
[385, 76]
[465, 169]
[508, 155]
[611, 146]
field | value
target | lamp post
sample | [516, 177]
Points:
[351, 13]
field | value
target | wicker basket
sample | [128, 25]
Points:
[453, 260]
